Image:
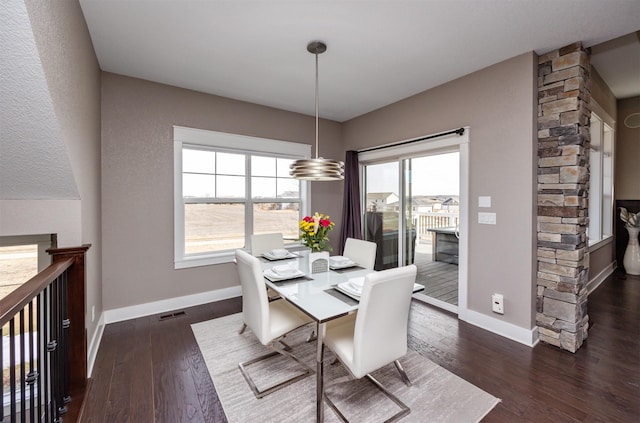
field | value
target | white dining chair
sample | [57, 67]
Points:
[377, 335]
[262, 243]
[270, 321]
[360, 251]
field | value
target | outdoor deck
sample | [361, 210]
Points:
[439, 279]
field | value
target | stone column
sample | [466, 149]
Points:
[563, 186]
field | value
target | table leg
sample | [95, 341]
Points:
[320, 373]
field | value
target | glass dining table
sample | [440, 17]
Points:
[318, 296]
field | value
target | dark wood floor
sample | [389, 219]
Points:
[149, 370]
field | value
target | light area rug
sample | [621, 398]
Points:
[436, 395]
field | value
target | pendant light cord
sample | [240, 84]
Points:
[317, 105]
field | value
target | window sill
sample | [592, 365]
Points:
[204, 260]
[596, 245]
[220, 258]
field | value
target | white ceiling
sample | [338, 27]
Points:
[379, 51]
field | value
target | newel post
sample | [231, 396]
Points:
[76, 300]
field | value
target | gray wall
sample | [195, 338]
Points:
[137, 182]
[73, 78]
[498, 105]
[627, 183]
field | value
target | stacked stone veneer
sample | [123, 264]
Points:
[563, 178]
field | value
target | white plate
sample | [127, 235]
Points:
[273, 277]
[353, 286]
[268, 256]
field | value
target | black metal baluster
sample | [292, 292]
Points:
[60, 352]
[45, 356]
[12, 367]
[52, 349]
[23, 385]
[65, 343]
[41, 352]
[31, 377]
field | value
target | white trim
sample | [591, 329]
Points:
[463, 242]
[608, 239]
[186, 135]
[92, 352]
[147, 309]
[598, 110]
[528, 337]
[600, 277]
[396, 152]
[178, 206]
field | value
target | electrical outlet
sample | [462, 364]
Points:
[497, 303]
[93, 313]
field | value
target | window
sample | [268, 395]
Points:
[21, 258]
[601, 179]
[228, 187]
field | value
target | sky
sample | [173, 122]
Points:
[430, 175]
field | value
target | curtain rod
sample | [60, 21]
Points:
[459, 131]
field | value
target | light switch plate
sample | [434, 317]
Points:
[484, 201]
[487, 218]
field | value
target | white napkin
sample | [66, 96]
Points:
[279, 252]
[284, 270]
[338, 260]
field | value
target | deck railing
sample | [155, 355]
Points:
[44, 348]
[425, 221]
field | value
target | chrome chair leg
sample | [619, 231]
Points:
[308, 371]
[403, 374]
[244, 326]
[404, 409]
[286, 346]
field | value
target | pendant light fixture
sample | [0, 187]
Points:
[317, 169]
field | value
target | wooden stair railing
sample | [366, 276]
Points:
[48, 354]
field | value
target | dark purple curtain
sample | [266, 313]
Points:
[351, 213]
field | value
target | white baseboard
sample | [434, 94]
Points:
[600, 277]
[528, 337]
[94, 344]
[147, 309]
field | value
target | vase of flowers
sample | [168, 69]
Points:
[631, 260]
[314, 230]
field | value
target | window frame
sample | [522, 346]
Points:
[601, 216]
[228, 143]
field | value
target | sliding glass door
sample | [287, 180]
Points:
[381, 218]
[412, 212]
[432, 212]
